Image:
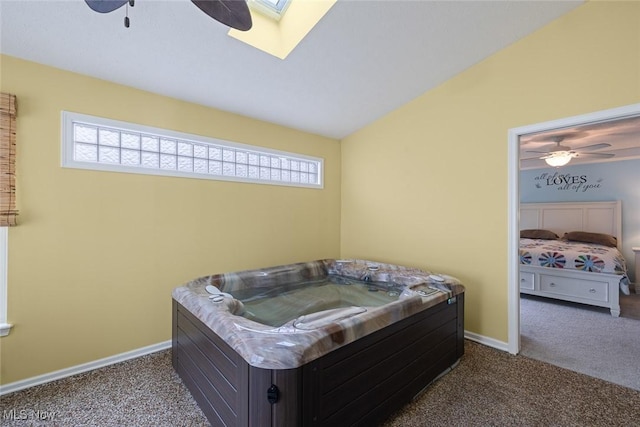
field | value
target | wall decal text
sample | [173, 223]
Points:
[567, 182]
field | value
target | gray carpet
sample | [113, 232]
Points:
[581, 338]
[139, 392]
[487, 388]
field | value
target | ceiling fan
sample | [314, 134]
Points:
[559, 155]
[233, 13]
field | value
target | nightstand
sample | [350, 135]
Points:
[636, 250]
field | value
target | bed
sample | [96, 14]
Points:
[592, 271]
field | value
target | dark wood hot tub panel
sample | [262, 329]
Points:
[287, 411]
[216, 375]
[229, 391]
[361, 383]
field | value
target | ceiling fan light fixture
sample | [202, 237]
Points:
[558, 158]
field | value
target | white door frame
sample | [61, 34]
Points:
[513, 233]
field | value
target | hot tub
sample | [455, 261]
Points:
[329, 342]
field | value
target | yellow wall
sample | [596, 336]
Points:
[427, 184]
[96, 255]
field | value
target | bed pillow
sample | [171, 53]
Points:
[538, 234]
[587, 237]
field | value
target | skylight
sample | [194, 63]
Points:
[271, 8]
[278, 37]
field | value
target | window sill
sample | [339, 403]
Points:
[5, 328]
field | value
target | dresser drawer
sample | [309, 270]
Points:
[527, 281]
[577, 288]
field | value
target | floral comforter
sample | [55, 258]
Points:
[563, 254]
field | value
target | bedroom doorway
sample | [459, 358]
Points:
[514, 138]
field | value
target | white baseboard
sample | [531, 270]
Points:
[111, 360]
[490, 342]
[78, 369]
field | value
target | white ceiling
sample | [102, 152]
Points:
[623, 136]
[361, 61]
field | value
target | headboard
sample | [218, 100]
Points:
[596, 217]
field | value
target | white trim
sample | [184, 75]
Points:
[489, 342]
[67, 152]
[513, 234]
[513, 202]
[275, 12]
[78, 369]
[154, 348]
[5, 327]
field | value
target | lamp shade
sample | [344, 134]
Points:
[559, 158]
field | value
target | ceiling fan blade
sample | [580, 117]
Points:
[601, 155]
[529, 158]
[105, 6]
[594, 147]
[560, 135]
[233, 13]
[538, 152]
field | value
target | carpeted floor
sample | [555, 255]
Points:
[487, 388]
[139, 392]
[583, 338]
[630, 306]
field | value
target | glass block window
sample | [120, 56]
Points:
[103, 144]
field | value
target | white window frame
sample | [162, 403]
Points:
[267, 8]
[68, 160]
[4, 258]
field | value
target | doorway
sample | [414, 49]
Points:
[514, 135]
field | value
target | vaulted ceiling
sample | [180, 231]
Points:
[361, 61]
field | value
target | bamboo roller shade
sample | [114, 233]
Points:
[8, 210]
